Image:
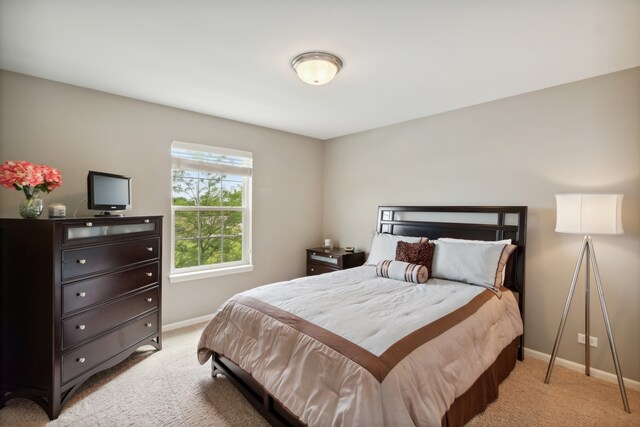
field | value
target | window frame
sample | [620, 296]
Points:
[218, 269]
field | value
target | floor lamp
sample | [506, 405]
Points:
[589, 214]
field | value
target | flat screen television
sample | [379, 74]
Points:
[108, 192]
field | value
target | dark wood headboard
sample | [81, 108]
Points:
[466, 222]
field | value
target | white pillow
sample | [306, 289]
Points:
[487, 242]
[471, 262]
[383, 246]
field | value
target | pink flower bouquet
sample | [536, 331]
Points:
[29, 177]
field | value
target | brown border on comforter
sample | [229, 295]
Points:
[379, 367]
[484, 390]
[471, 403]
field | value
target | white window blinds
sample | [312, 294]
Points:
[185, 156]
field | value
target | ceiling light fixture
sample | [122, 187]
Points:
[316, 68]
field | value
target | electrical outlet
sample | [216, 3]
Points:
[593, 341]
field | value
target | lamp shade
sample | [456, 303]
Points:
[589, 213]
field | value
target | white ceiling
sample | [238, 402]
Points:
[402, 59]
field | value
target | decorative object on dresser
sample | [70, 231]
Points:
[77, 296]
[326, 260]
[30, 179]
[57, 210]
[589, 214]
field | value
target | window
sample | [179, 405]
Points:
[210, 211]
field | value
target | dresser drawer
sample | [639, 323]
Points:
[93, 259]
[83, 326]
[91, 230]
[330, 260]
[95, 352]
[93, 291]
[313, 269]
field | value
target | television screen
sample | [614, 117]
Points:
[108, 192]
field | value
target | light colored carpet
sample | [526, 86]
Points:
[170, 388]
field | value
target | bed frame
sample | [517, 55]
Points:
[463, 222]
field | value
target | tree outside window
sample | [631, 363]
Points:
[210, 205]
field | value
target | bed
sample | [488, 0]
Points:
[354, 348]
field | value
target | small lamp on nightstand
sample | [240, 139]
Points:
[589, 214]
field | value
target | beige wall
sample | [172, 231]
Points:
[581, 137]
[77, 130]
[517, 151]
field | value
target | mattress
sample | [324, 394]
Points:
[352, 348]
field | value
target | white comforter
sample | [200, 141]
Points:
[351, 348]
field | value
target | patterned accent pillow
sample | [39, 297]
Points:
[404, 271]
[416, 253]
[383, 246]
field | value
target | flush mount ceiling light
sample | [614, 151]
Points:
[316, 68]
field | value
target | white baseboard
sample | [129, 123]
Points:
[188, 322]
[595, 373]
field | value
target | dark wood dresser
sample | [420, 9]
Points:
[325, 260]
[77, 296]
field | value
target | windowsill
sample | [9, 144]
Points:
[203, 274]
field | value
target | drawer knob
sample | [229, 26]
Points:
[146, 221]
[148, 325]
[81, 359]
[313, 269]
[149, 299]
[330, 256]
[82, 261]
[82, 294]
[149, 274]
[149, 248]
[82, 327]
[89, 224]
[313, 253]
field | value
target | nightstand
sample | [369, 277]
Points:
[325, 260]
